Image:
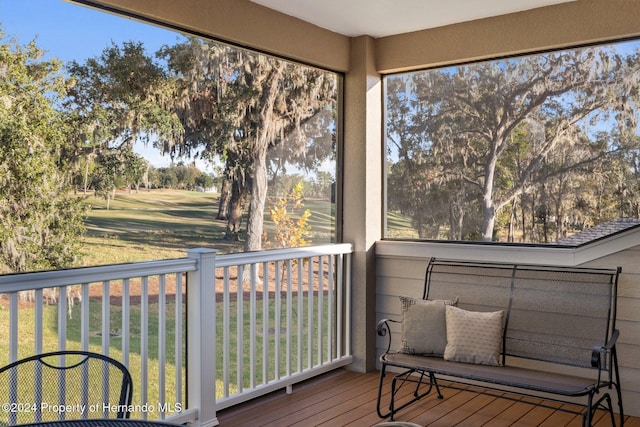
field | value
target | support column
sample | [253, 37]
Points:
[362, 191]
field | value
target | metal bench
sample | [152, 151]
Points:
[557, 334]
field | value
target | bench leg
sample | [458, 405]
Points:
[382, 370]
[604, 402]
[434, 382]
[398, 382]
[392, 396]
[616, 383]
[617, 386]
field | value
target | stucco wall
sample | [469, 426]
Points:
[401, 267]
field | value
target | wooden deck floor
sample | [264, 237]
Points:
[343, 398]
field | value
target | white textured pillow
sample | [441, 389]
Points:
[473, 336]
[423, 326]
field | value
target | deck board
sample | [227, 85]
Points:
[344, 398]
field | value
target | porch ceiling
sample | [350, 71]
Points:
[380, 18]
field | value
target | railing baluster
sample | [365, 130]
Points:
[106, 317]
[265, 323]
[39, 322]
[320, 310]
[84, 317]
[162, 346]
[339, 305]
[278, 321]
[62, 318]
[39, 313]
[252, 327]
[226, 333]
[144, 341]
[13, 327]
[300, 312]
[289, 326]
[347, 304]
[178, 339]
[84, 340]
[240, 329]
[330, 308]
[106, 337]
[310, 319]
[126, 319]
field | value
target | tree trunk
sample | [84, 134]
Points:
[456, 221]
[523, 220]
[266, 132]
[236, 208]
[85, 184]
[225, 198]
[512, 221]
[145, 177]
[258, 201]
[488, 208]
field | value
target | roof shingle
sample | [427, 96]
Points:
[599, 231]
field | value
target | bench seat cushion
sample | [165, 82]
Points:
[567, 385]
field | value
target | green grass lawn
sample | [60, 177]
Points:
[162, 224]
[400, 227]
[159, 224]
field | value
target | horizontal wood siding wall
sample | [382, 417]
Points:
[401, 266]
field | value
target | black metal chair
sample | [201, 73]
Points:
[64, 385]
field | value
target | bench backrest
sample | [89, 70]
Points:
[554, 314]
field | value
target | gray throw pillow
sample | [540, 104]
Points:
[423, 326]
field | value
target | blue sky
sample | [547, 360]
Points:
[69, 31]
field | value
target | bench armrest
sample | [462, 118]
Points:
[383, 330]
[598, 355]
[612, 341]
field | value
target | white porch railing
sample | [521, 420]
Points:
[244, 324]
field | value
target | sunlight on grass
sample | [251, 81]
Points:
[399, 226]
[163, 224]
[114, 250]
[151, 225]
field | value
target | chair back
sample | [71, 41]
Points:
[64, 385]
